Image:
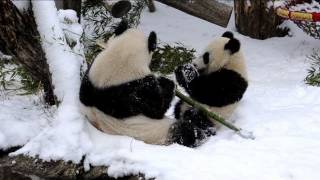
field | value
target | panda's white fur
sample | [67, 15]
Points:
[125, 58]
[139, 127]
[223, 59]
[220, 58]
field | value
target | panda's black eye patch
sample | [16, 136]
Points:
[206, 58]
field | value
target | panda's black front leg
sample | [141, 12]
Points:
[167, 88]
[154, 96]
[185, 74]
[200, 120]
[192, 128]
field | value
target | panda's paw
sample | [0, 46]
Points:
[192, 129]
[186, 134]
[185, 74]
[200, 120]
[189, 72]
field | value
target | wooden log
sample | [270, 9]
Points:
[20, 38]
[255, 19]
[23, 167]
[209, 10]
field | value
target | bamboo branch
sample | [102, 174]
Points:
[215, 117]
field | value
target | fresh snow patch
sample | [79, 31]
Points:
[21, 4]
[22, 118]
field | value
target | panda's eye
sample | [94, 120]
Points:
[206, 58]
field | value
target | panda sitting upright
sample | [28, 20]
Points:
[217, 79]
[120, 96]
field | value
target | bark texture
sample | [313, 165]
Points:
[20, 38]
[255, 19]
[26, 168]
[209, 10]
[151, 6]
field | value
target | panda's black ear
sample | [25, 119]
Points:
[122, 27]
[152, 41]
[228, 34]
[233, 46]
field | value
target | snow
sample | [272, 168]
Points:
[66, 137]
[4, 57]
[15, 129]
[278, 107]
[313, 7]
[275, 4]
[21, 4]
[73, 31]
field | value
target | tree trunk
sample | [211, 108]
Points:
[19, 37]
[209, 10]
[255, 19]
[151, 6]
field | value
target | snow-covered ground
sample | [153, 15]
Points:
[21, 118]
[278, 107]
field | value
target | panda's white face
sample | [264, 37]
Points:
[126, 57]
[223, 52]
[215, 56]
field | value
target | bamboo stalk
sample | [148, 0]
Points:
[215, 117]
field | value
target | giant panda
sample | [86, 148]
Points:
[119, 95]
[217, 79]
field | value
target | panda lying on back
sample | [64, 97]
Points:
[119, 94]
[218, 79]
